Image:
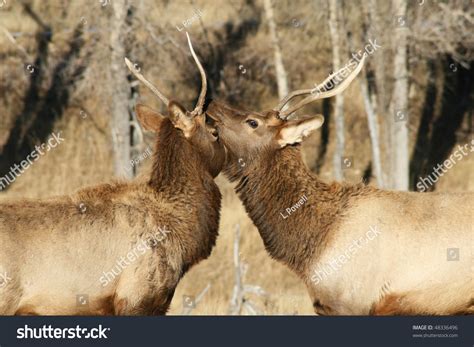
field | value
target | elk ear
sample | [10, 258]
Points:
[148, 118]
[296, 131]
[181, 118]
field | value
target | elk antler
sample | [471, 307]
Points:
[319, 95]
[138, 75]
[202, 96]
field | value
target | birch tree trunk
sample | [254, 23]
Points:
[372, 107]
[373, 132]
[376, 31]
[399, 114]
[120, 119]
[334, 28]
[282, 80]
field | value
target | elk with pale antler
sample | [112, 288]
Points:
[58, 250]
[403, 270]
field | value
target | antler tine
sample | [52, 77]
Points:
[327, 94]
[290, 96]
[302, 92]
[202, 96]
[145, 81]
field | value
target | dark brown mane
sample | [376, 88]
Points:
[175, 163]
[287, 179]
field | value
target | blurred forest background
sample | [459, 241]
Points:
[62, 70]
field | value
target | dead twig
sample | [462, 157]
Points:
[189, 303]
[239, 300]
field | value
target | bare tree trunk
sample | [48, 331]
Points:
[120, 120]
[399, 105]
[334, 28]
[371, 106]
[282, 79]
[373, 131]
[238, 292]
[376, 31]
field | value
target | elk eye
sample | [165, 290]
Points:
[252, 123]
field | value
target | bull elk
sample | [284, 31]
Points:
[62, 250]
[310, 225]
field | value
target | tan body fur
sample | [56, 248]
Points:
[405, 269]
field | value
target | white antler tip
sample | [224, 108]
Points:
[190, 44]
[128, 62]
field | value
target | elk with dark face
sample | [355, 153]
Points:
[358, 249]
[119, 248]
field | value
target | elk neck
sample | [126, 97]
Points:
[180, 176]
[280, 181]
[177, 166]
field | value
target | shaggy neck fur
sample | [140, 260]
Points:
[297, 239]
[180, 176]
[177, 167]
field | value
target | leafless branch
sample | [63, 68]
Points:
[239, 301]
[188, 309]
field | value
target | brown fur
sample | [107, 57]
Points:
[53, 252]
[290, 179]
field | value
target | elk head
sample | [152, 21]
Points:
[249, 135]
[195, 126]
